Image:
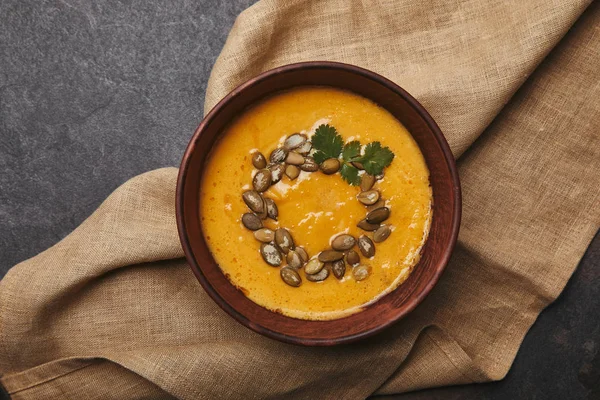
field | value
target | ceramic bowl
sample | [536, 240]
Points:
[435, 253]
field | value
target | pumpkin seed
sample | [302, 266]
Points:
[358, 165]
[343, 242]
[366, 182]
[378, 216]
[366, 246]
[352, 258]
[263, 215]
[294, 141]
[319, 276]
[304, 148]
[254, 201]
[264, 235]
[313, 266]
[381, 233]
[293, 259]
[380, 176]
[292, 171]
[277, 173]
[284, 240]
[330, 166]
[271, 254]
[262, 180]
[369, 197]
[277, 155]
[330, 255]
[294, 158]
[361, 272]
[290, 276]
[302, 253]
[258, 160]
[338, 268]
[272, 210]
[251, 221]
[366, 226]
[380, 203]
[309, 165]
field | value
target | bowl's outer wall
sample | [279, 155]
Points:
[436, 252]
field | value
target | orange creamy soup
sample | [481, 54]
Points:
[314, 207]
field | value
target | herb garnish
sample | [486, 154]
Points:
[329, 144]
[376, 158]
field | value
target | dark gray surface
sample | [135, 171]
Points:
[95, 92]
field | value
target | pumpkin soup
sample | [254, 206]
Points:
[316, 202]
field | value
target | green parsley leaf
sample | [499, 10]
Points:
[350, 174]
[319, 157]
[376, 158]
[327, 143]
[351, 150]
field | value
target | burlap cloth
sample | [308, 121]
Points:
[113, 311]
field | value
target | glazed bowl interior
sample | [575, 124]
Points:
[435, 253]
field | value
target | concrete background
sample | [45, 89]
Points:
[93, 93]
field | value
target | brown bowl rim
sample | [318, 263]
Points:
[412, 302]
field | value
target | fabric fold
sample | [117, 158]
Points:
[483, 51]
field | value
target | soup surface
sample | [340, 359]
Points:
[314, 207]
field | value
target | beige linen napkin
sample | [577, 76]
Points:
[112, 311]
